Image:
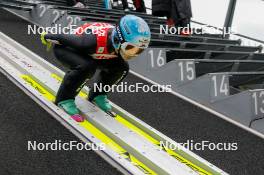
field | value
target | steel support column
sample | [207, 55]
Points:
[229, 17]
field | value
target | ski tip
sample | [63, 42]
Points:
[77, 118]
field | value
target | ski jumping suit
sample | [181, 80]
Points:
[85, 52]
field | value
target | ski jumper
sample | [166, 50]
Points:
[84, 52]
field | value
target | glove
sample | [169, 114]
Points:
[45, 42]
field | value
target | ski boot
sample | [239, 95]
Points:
[102, 102]
[70, 107]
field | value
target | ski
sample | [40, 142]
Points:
[111, 113]
[78, 118]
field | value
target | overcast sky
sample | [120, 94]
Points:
[248, 19]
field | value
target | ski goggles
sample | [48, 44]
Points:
[130, 49]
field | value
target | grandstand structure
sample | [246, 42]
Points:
[214, 73]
